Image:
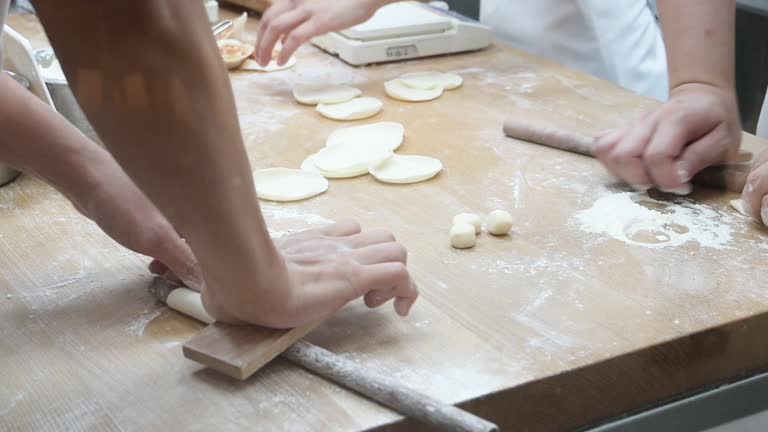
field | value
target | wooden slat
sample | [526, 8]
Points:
[239, 351]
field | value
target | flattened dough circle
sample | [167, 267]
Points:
[350, 160]
[354, 109]
[431, 79]
[386, 134]
[406, 169]
[309, 165]
[396, 89]
[285, 184]
[313, 94]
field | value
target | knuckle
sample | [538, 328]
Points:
[655, 156]
[400, 271]
[617, 157]
[293, 40]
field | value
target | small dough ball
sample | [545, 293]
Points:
[471, 219]
[498, 222]
[463, 235]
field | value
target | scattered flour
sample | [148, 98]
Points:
[277, 212]
[639, 220]
[139, 324]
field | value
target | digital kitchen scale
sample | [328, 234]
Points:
[406, 30]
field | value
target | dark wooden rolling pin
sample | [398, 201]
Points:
[377, 387]
[730, 177]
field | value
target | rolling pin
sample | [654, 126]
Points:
[377, 387]
[730, 177]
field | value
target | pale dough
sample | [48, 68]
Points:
[309, 165]
[284, 184]
[386, 134]
[462, 235]
[498, 222]
[471, 219]
[233, 52]
[313, 94]
[354, 109]
[350, 160]
[406, 169]
[188, 302]
[251, 65]
[740, 206]
[396, 89]
[431, 79]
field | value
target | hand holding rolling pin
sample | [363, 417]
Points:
[699, 126]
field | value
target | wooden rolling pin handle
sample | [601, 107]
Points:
[387, 391]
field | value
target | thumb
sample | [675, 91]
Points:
[177, 256]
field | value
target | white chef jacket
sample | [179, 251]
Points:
[617, 40]
[3, 12]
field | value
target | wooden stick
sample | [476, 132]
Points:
[730, 177]
[236, 350]
[385, 390]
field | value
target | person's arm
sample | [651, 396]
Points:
[149, 77]
[699, 125]
[38, 141]
[295, 22]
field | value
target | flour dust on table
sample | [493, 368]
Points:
[637, 219]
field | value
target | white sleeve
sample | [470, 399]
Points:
[3, 12]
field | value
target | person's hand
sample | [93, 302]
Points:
[699, 126]
[125, 214]
[323, 269]
[755, 194]
[295, 22]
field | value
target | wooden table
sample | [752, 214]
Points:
[551, 329]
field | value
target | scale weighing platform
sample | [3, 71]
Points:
[406, 30]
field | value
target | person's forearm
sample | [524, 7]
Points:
[39, 141]
[699, 38]
[150, 79]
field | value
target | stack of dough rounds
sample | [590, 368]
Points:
[354, 109]
[397, 89]
[406, 169]
[284, 184]
[421, 86]
[349, 152]
[313, 94]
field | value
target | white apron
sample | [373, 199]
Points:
[617, 40]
